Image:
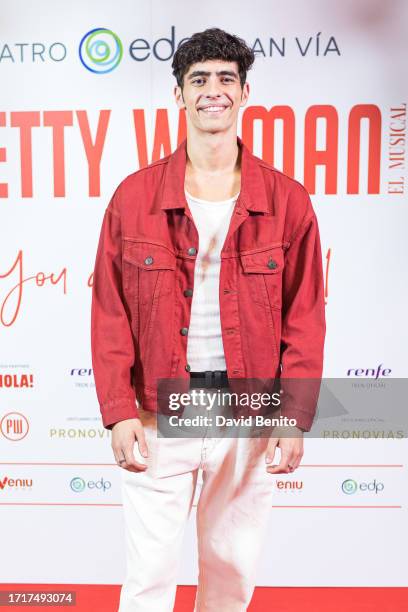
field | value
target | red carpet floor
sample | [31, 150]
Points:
[105, 598]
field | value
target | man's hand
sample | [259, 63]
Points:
[124, 434]
[291, 448]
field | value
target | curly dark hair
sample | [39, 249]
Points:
[212, 44]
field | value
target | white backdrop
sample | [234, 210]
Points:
[59, 487]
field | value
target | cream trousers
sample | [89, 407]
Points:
[232, 514]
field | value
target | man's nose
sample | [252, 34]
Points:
[213, 88]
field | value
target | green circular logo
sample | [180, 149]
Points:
[100, 50]
[77, 484]
[349, 486]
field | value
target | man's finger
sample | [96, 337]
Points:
[283, 467]
[131, 464]
[141, 441]
[296, 461]
[278, 469]
[270, 450]
[119, 458]
[283, 463]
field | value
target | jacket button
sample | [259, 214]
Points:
[184, 331]
[187, 368]
[192, 251]
[148, 260]
[188, 292]
[272, 264]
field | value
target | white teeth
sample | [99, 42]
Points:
[213, 109]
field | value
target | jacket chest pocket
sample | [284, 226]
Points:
[263, 269]
[148, 270]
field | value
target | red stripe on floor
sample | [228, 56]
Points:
[105, 598]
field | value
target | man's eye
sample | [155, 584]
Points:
[196, 80]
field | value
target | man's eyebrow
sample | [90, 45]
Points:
[206, 73]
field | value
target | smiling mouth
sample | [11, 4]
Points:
[213, 110]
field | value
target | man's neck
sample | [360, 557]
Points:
[213, 153]
[213, 169]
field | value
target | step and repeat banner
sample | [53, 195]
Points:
[86, 98]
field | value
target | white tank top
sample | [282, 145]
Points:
[205, 349]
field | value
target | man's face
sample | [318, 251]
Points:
[212, 95]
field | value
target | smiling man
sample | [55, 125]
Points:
[209, 272]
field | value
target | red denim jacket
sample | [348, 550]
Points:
[271, 291]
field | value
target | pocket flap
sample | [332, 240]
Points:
[148, 256]
[269, 260]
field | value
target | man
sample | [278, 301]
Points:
[208, 268]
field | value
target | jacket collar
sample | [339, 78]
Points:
[252, 193]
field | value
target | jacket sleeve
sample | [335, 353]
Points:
[303, 322]
[111, 337]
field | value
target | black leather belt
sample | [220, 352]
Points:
[209, 379]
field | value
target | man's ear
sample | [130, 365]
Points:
[178, 94]
[182, 97]
[245, 94]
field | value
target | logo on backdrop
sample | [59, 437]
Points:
[289, 485]
[78, 433]
[78, 484]
[14, 426]
[377, 372]
[82, 377]
[100, 50]
[16, 381]
[15, 483]
[351, 486]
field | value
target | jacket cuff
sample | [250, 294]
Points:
[118, 409]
